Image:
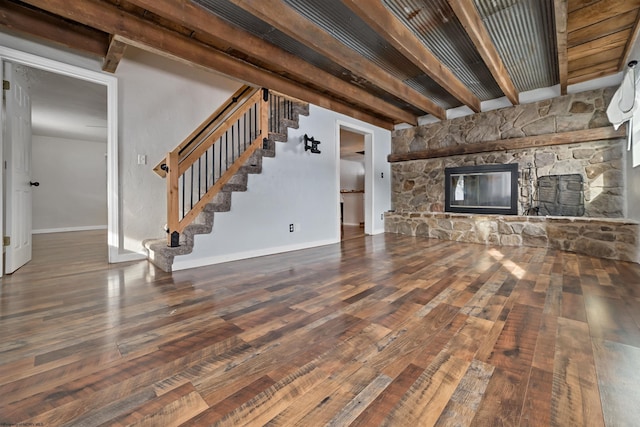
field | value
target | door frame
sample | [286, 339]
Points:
[111, 82]
[367, 133]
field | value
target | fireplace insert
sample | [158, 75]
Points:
[561, 195]
[484, 189]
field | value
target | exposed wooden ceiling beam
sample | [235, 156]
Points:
[205, 23]
[114, 55]
[22, 19]
[140, 33]
[561, 15]
[471, 20]
[279, 15]
[400, 37]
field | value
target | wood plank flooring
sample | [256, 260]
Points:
[352, 232]
[379, 330]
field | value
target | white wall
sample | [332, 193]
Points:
[353, 208]
[295, 187]
[161, 102]
[352, 174]
[378, 183]
[73, 184]
[633, 189]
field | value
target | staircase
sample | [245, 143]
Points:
[243, 119]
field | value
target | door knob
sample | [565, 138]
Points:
[34, 184]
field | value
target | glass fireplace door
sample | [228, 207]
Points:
[482, 189]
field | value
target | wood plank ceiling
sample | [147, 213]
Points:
[381, 61]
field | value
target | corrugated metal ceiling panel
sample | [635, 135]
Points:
[246, 21]
[338, 20]
[435, 24]
[433, 91]
[523, 33]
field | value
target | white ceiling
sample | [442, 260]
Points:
[65, 107]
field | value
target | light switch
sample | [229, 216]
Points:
[142, 159]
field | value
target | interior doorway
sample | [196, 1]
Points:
[66, 154]
[352, 179]
[69, 152]
[109, 125]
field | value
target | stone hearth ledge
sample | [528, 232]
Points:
[610, 238]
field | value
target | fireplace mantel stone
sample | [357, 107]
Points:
[611, 238]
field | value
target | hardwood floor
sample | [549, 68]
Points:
[352, 232]
[380, 330]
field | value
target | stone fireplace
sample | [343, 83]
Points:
[582, 178]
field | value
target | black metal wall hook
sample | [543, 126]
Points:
[314, 144]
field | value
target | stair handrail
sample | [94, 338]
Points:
[197, 146]
[235, 101]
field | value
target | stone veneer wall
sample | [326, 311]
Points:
[603, 238]
[585, 110]
[418, 185]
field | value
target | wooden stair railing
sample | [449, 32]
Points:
[212, 122]
[206, 160]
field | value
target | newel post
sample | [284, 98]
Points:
[173, 200]
[264, 114]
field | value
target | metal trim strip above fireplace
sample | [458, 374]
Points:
[484, 189]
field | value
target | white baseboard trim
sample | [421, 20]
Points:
[132, 256]
[67, 229]
[201, 262]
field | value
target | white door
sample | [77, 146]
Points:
[17, 156]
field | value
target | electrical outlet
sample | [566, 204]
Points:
[291, 229]
[382, 216]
